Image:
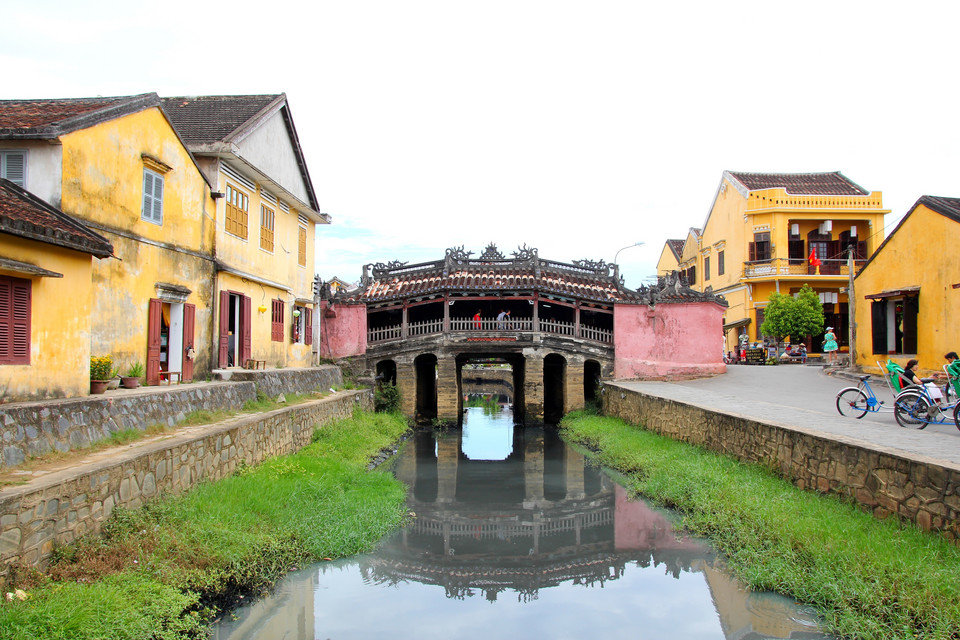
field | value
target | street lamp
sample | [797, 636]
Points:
[635, 244]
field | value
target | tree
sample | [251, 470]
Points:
[794, 316]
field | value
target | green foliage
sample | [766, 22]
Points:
[797, 317]
[871, 579]
[135, 370]
[150, 571]
[386, 398]
[101, 367]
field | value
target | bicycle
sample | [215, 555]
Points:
[915, 408]
[857, 401]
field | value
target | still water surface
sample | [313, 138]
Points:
[517, 536]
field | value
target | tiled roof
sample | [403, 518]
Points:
[949, 207]
[49, 118]
[834, 183]
[205, 119]
[676, 246]
[25, 215]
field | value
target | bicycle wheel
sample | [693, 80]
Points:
[911, 410]
[852, 403]
[956, 415]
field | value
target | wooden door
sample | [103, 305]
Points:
[246, 342]
[223, 357]
[189, 322]
[154, 328]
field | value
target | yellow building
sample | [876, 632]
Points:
[266, 217]
[118, 165]
[765, 233]
[46, 295]
[908, 292]
[670, 257]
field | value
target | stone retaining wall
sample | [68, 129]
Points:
[273, 382]
[35, 428]
[882, 481]
[58, 508]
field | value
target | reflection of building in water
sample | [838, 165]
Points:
[541, 517]
[287, 613]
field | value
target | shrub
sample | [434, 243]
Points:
[386, 398]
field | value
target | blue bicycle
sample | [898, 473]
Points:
[855, 402]
[917, 406]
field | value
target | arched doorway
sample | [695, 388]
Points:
[426, 371]
[554, 388]
[387, 372]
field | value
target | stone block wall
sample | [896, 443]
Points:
[36, 428]
[65, 505]
[883, 482]
[273, 382]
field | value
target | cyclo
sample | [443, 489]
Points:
[916, 406]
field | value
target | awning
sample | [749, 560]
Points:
[736, 324]
[28, 269]
[893, 293]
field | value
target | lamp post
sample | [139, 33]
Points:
[635, 244]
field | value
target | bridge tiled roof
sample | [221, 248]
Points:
[493, 274]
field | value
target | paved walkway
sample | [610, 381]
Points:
[804, 397]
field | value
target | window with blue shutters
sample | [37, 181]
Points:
[13, 167]
[152, 196]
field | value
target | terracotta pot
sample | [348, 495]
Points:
[98, 386]
[129, 382]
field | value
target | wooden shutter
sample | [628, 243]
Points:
[16, 302]
[223, 357]
[307, 325]
[245, 340]
[911, 309]
[302, 247]
[152, 196]
[753, 252]
[276, 317]
[878, 319]
[15, 168]
[189, 323]
[154, 328]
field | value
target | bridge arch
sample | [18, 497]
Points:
[425, 371]
[592, 372]
[387, 372]
[554, 387]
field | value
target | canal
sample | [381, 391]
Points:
[514, 534]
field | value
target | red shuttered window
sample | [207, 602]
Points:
[276, 327]
[15, 311]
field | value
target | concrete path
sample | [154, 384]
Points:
[804, 397]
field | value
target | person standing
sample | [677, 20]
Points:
[476, 320]
[501, 320]
[830, 345]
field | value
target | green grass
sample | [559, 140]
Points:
[161, 571]
[870, 579]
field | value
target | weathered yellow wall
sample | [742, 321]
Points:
[668, 262]
[922, 252]
[280, 266]
[103, 183]
[59, 324]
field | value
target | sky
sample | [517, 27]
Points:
[577, 128]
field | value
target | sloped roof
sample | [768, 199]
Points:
[947, 207]
[207, 119]
[834, 183]
[50, 118]
[204, 122]
[27, 216]
[676, 247]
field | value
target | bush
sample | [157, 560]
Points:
[386, 398]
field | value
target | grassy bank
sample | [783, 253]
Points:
[163, 570]
[871, 579]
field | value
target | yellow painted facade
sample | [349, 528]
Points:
[918, 268]
[668, 262]
[170, 259]
[723, 258]
[59, 323]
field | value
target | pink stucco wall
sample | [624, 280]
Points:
[674, 340]
[343, 330]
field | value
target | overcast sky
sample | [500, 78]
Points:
[575, 127]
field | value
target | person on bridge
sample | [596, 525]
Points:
[501, 320]
[476, 320]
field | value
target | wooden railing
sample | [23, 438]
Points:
[488, 325]
[797, 267]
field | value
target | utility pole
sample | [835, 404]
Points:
[852, 309]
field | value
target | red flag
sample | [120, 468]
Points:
[813, 260]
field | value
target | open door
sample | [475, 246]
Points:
[189, 352]
[154, 329]
[245, 342]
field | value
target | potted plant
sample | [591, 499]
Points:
[114, 379]
[132, 379]
[100, 369]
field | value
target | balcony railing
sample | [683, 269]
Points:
[491, 326]
[797, 267]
